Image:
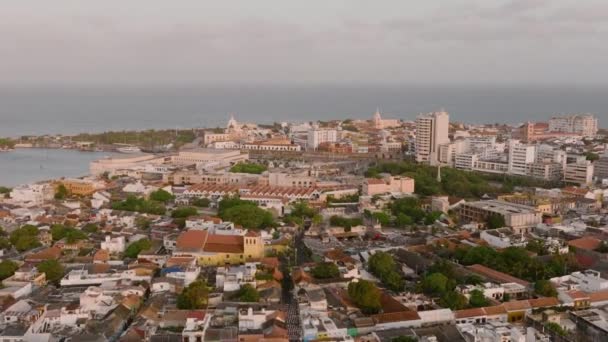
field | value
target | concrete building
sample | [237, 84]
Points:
[581, 124]
[431, 132]
[601, 167]
[503, 238]
[373, 186]
[204, 155]
[34, 194]
[580, 172]
[587, 281]
[517, 216]
[317, 136]
[520, 155]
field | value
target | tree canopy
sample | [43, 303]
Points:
[383, 266]
[325, 270]
[247, 293]
[71, 235]
[7, 268]
[25, 238]
[52, 269]
[365, 295]
[138, 204]
[544, 287]
[477, 299]
[245, 213]
[137, 247]
[184, 212]
[193, 297]
[252, 168]
[162, 196]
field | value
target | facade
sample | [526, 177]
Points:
[80, 187]
[202, 156]
[32, 193]
[517, 216]
[520, 156]
[585, 124]
[431, 132]
[318, 136]
[580, 172]
[601, 167]
[373, 186]
[214, 250]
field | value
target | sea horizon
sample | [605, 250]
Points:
[73, 109]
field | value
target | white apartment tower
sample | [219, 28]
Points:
[584, 124]
[431, 132]
[318, 136]
[520, 155]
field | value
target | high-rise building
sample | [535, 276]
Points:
[520, 155]
[317, 136]
[580, 172]
[585, 124]
[601, 167]
[431, 132]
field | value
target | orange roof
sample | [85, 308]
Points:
[374, 181]
[466, 313]
[224, 244]
[495, 310]
[101, 255]
[517, 305]
[575, 294]
[543, 302]
[587, 242]
[191, 240]
[271, 262]
[52, 253]
[180, 261]
[396, 316]
[496, 275]
[598, 296]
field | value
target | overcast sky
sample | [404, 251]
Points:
[311, 41]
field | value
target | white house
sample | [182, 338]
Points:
[114, 245]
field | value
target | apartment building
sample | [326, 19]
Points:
[317, 136]
[431, 132]
[581, 124]
[580, 172]
[520, 155]
[519, 217]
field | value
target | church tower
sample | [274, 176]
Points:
[377, 120]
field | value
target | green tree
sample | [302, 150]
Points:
[592, 156]
[365, 295]
[248, 168]
[162, 196]
[194, 297]
[383, 266]
[247, 293]
[142, 222]
[229, 202]
[25, 238]
[537, 246]
[345, 222]
[556, 328]
[325, 270]
[495, 221]
[201, 202]
[71, 235]
[432, 217]
[61, 192]
[544, 287]
[477, 299]
[52, 269]
[7, 268]
[435, 284]
[453, 300]
[383, 218]
[249, 216]
[140, 205]
[90, 228]
[137, 247]
[403, 220]
[184, 212]
[4, 243]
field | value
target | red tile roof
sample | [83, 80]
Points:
[191, 240]
[497, 275]
[587, 242]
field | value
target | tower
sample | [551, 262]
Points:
[431, 132]
[377, 119]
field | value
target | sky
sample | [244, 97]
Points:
[304, 42]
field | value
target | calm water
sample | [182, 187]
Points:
[29, 165]
[72, 110]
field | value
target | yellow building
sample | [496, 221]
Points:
[78, 187]
[211, 249]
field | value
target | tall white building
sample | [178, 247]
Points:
[431, 132]
[583, 124]
[580, 172]
[520, 155]
[317, 136]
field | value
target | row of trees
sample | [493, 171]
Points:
[245, 213]
[383, 266]
[141, 205]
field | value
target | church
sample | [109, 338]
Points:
[217, 249]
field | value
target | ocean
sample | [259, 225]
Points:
[25, 165]
[70, 110]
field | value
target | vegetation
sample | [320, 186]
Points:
[137, 247]
[6, 143]
[455, 182]
[408, 211]
[247, 293]
[25, 238]
[383, 266]
[52, 269]
[147, 139]
[140, 205]
[184, 212]
[301, 211]
[537, 246]
[90, 228]
[544, 287]
[71, 235]
[453, 300]
[477, 299]
[517, 262]
[245, 213]
[142, 222]
[61, 192]
[193, 297]
[4, 243]
[7, 268]
[354, 198]
[592, 156]
[556, 328]
[252, 168]
[495, 221]
[201, 202]
[345, 222]
[162, 196]
[325, 270]
[5, 191]
[365, 295]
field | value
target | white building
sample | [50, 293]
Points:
[231, 278]
[253, 320]
[580, 172]
[585, 124]
[431, 132]
[520, 155]
[587, 281]
[83, 278]
[114, 245]
[34, 194]
[503, 238]
[318, 136]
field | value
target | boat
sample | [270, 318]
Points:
[128, 149]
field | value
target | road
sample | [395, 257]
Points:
[290, 304]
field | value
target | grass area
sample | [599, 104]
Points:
[146, 139]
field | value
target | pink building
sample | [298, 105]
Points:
[373, 186]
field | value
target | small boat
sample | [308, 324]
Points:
[128, 149]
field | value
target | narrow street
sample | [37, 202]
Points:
[290, 304]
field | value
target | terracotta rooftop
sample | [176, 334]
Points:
[543, 302]
[587, 242]
[191, 240]
[396, 317]
[517, 305]
[497, 275]
[224, 244]
[466, 313]
[599, 296]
